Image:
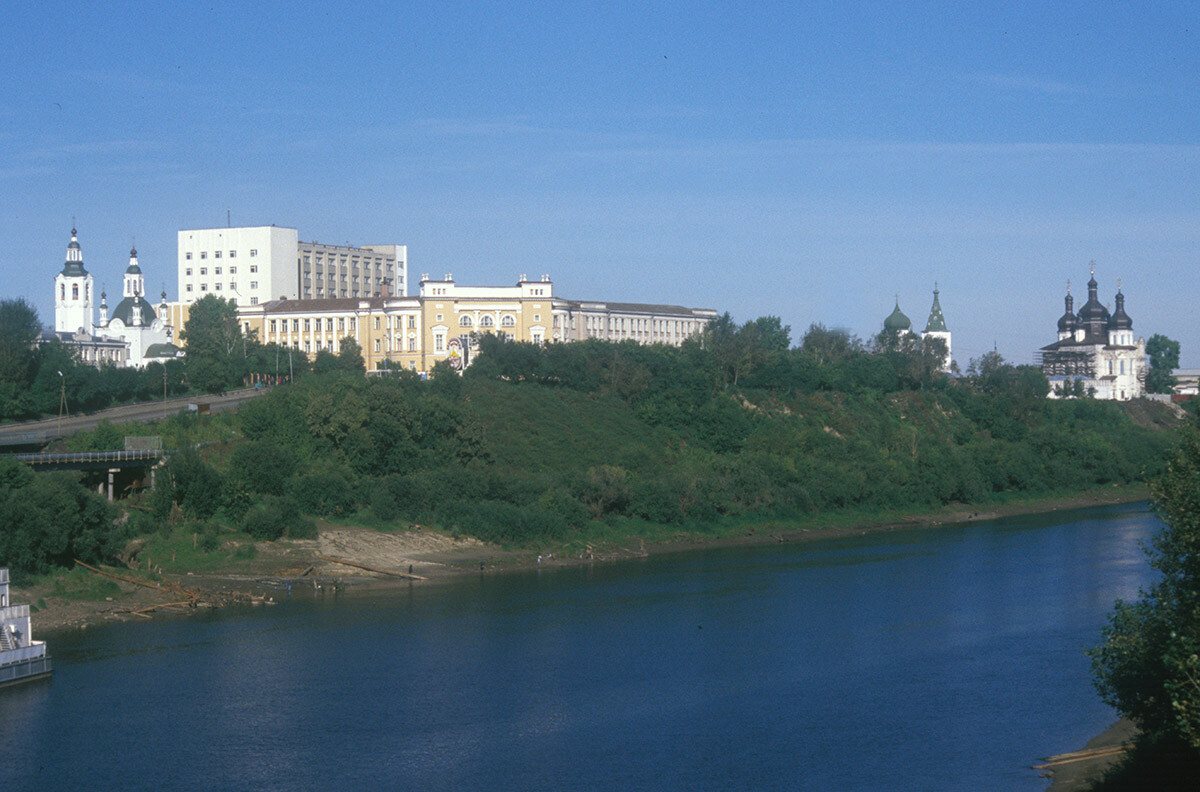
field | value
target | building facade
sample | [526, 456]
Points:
[1097, 350]
[444, 321]
[259, 264]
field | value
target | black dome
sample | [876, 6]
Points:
[1068, 321]
[1120, 320]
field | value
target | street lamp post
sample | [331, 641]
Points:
[62, 401]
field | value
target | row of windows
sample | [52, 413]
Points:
[487, 321]
[217, 254]
[217, 286]
[217, 270]
[273, 327]
[354, 261]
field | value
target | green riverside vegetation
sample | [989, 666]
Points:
[596, 443]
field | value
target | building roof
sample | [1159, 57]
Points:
[127, 307]
[162, 351]
[936, 322]
[73, 266]
[79, 339]
[656, 309]
[332, 305]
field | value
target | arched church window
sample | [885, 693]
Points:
[75, 291]
[464, 321]
[486, 321]
[62, 291]
[508, 321]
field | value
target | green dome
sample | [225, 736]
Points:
[897, 320]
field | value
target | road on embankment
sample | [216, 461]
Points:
[50, 428]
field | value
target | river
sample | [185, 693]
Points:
[934, 659]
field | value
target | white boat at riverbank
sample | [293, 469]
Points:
[21, 657]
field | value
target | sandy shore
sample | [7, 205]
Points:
[417, 557]
[1077, 771]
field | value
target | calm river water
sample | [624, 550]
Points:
[942, 659]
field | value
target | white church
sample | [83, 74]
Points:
[1097, 350]
[135, 334]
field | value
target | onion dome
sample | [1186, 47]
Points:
[1093, 314]
[937, 321]
[1120, 320]
[1068, 322]
[897, 320]
[133, 268]
[73, 266]
[126, 309]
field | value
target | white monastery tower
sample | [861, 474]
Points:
[73, 293]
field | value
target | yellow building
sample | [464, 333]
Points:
[439, 324]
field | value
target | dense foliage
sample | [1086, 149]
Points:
[1148, 667]
[576, 442]
[49, 519]
[34, 377]
[547, 443]
[1164, 358]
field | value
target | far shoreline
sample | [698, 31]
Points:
[61, 616]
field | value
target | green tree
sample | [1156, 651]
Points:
[1164, 358]
[350, 358]
[19, 328]
[827, 345]
[1148, 666]
[216, 350]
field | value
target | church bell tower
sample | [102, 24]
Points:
[73, 293]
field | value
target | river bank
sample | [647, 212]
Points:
[346, 556]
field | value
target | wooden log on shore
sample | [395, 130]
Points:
[122, 578]
[1080, 756]
[143, 611]
[377, 570]
[169, 588]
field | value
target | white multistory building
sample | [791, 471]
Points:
[1097, 350]
[257, 264]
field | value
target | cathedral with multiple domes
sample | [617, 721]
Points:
[1096, 352]
[935, 325]
[135, 334]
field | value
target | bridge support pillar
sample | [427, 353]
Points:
[112, 472]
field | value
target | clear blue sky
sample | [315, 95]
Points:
[798, 159]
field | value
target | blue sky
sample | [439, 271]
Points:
[798, 159]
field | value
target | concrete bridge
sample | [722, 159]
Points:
[120, 470]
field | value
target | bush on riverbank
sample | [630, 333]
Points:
[1148, 667]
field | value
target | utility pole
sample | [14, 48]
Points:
[62, 401]
[164, 391]
[291, 373]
